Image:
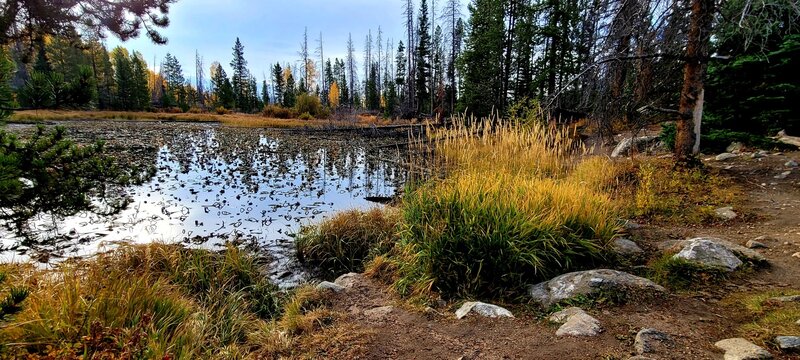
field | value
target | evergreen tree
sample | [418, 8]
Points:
[290, 92]
[400, 71]
[484, 47]
[123, 76]
[6, 95]
[240, 77]
[279, 85]
[264, 93]
[140, 90]
[222, 88]
[83, 91]
[423, 59]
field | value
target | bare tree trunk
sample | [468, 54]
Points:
[687, 139]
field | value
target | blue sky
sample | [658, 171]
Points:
[270, 31]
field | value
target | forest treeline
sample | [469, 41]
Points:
[618, 62]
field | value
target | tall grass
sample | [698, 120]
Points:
[166, 301]
[346, 241]
[516, 206]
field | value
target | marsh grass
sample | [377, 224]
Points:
[664, 193]
[766, 318]
[229, 119]
[680, 274]
[517, 206]
[346, 241]
[164, 300]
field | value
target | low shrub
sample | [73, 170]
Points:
[277, 112]
[172, 110]
[220, 110]
[307, 103]
[305, 116]
[346, 241]
[195, 110]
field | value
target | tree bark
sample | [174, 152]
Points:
[687, 142]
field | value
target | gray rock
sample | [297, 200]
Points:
[349, 280]
[630, 225]
[741, 252]
[482, 309]
[709, 254]
[562, 316]
[726, 213]
[741, 349]
[624, 246]
[590, 282]
[783, 175]
[327, 285]
[625, 146]
[379, 313]
[735, 147]
[791, 298]
[788, 343]
[649, 340]
[755, 244]
[791, 164]
[725, 156]
[580, 325]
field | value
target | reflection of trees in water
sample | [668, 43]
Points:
[256, 156]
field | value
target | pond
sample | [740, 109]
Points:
[216, 184]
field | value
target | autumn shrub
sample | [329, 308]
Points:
[221, 110]
[277, 111]
[195, 110]
[305, 116]
[307, 103]
[346, 241]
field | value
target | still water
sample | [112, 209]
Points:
[215, 184]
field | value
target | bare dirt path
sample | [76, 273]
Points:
[695, 319]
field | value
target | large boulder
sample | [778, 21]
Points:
[591, 282]
[739, 251]
[576, 322]
[482, 309]
[627, 144]
[788, 343]
[709, 254]
[349, 280]
[741, 349]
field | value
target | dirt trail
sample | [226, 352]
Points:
[695, 319]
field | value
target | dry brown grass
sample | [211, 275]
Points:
[232, 119]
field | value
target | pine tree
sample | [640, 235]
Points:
[290, 92]
[484, 47]
[6, 95]
[123, 76]
[264, 93]
[423, 59]
[240, 77]
[222, 88]
[279, 84]
[140, 91]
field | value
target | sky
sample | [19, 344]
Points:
[270, 31]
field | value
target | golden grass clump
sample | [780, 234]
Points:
[151, 301]
[516, 206]
[347, 240]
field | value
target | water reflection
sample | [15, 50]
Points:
[215, 184]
